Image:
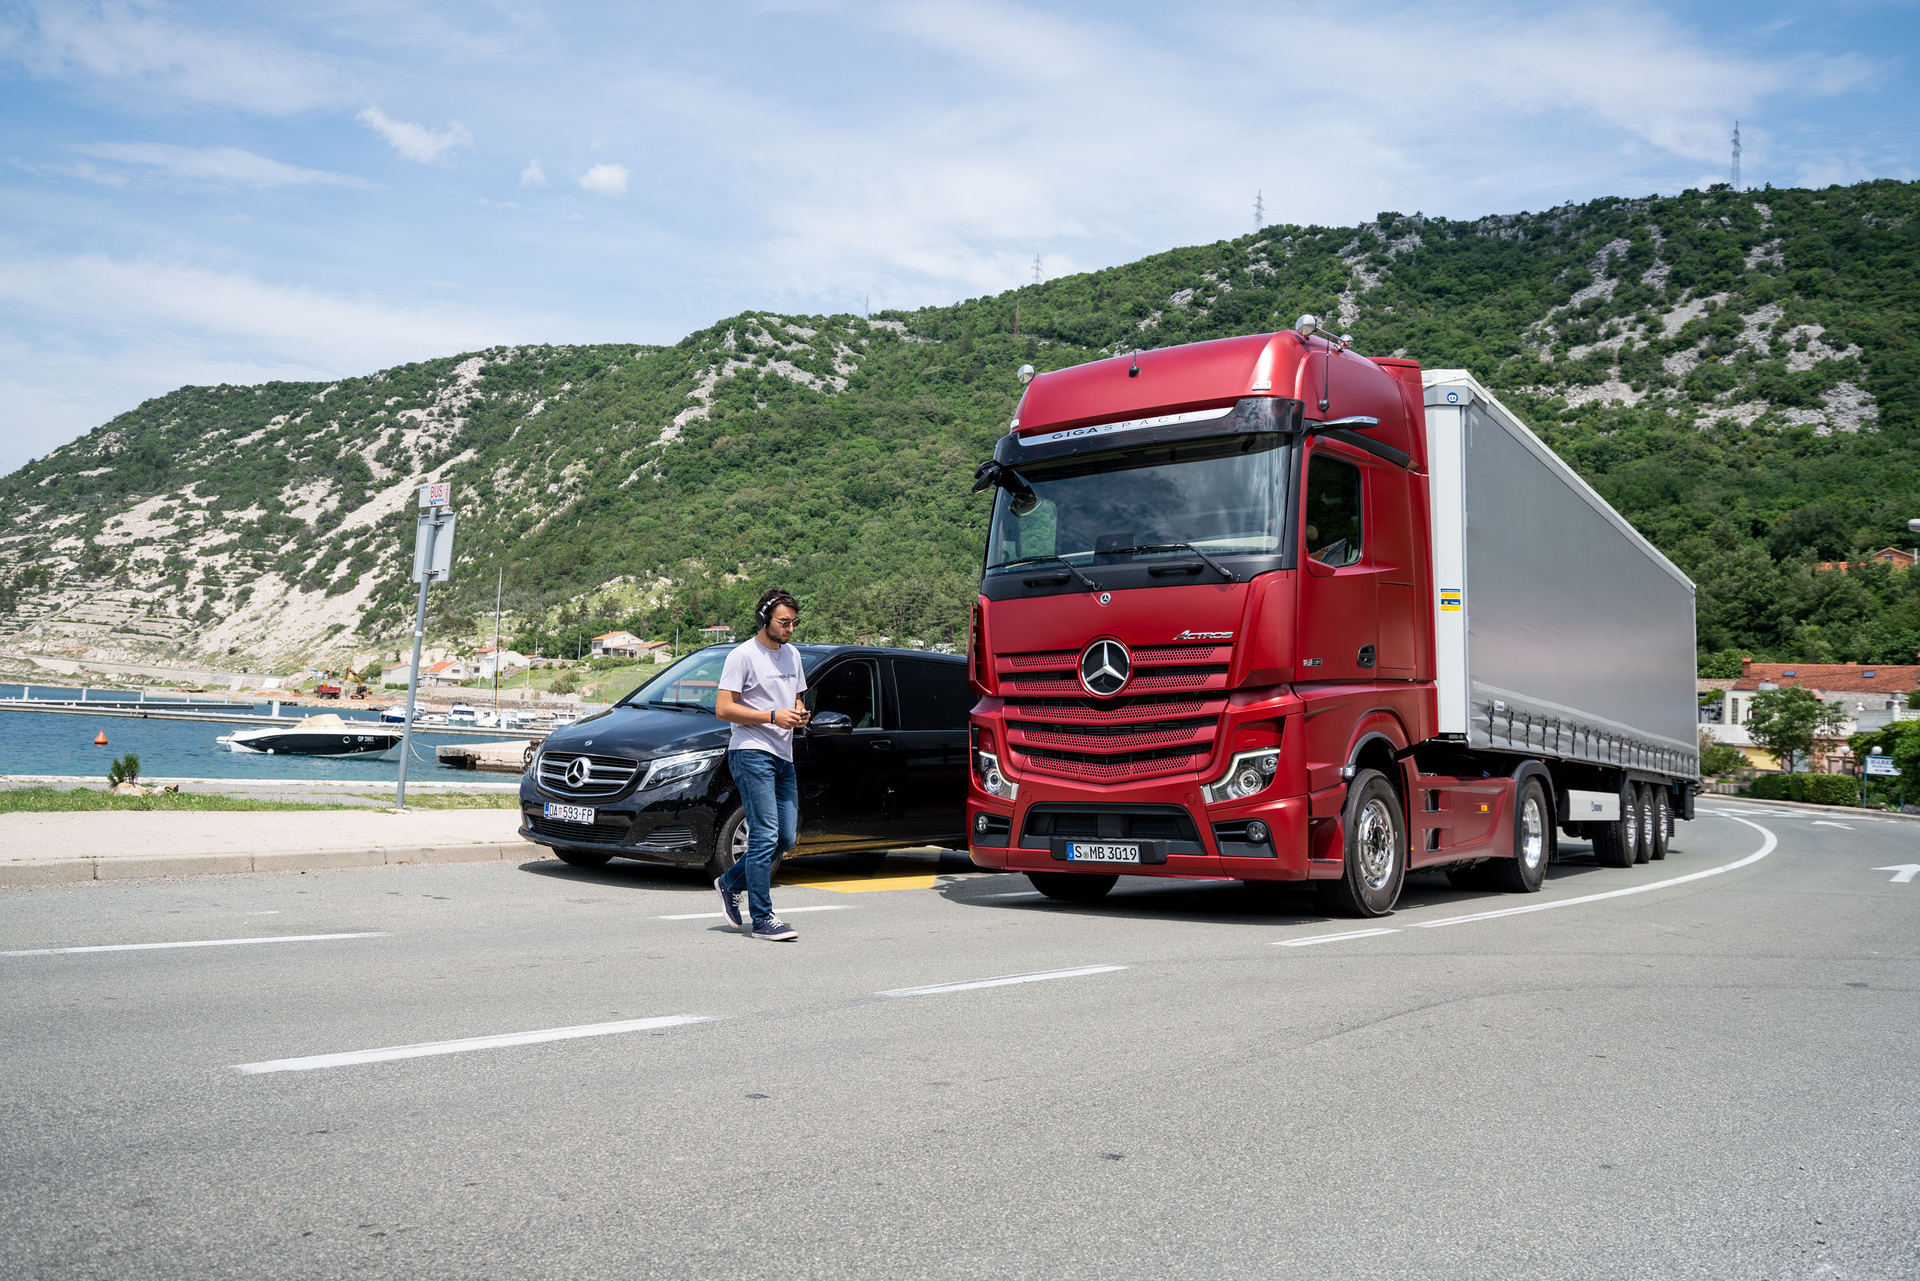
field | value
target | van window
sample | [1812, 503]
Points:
[933, 695]
[1333, 510]
[853, 689]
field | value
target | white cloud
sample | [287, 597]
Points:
[134, 47]
[606, 179]
[216, 164]
[533, 175]
[416, 142]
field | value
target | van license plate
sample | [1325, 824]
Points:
[570, 813]
[1083, 852]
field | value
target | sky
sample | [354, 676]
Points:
[207, 193]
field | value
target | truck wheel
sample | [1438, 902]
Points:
[1374, 862]
[1643, 815]
[1071, 887]
[582, 858]
[1610, 843]
[1662, 820]
[1532, 843]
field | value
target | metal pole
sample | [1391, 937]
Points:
[413, 686]
[498, 584]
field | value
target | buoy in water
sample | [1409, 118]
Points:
[100, 739]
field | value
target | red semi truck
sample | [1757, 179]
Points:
[1266, 609]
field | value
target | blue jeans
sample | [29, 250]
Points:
[771, 796]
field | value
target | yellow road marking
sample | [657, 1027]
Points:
[853, 883]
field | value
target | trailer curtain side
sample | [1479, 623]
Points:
[1560, 631]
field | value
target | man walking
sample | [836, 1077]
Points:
[760, 687]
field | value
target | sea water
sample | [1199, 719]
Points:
[49, 743]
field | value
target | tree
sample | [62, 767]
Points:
[1787, 721]
[1719, 759]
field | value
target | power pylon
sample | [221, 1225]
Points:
[1259, 211]
[1736, 155]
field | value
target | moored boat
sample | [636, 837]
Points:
[322, 735]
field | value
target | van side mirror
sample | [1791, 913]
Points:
[828, 724]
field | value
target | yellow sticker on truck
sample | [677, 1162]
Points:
[1449, 600]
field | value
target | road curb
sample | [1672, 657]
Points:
[1710, 797]
[63, 871]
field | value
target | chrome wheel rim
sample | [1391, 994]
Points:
[1375, 841]
[739, 850]
[1533, 835]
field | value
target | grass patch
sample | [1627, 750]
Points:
[452, 800]
[26, 800]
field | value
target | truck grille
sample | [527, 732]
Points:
[605, 775]
[1166, 723]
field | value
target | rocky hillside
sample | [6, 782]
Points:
[1736, 371]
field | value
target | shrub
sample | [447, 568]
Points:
[1808, 789]
[124, 770]
[1721, 759]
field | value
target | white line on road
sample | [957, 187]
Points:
[1003, 981]
[503, 1041]
[716, 916]
[1764, 850]
[1333, 938]
[150, 947]
[1822, 822]
[1016, 894]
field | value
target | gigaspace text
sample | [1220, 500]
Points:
[1130, 424]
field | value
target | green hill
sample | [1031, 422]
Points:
[1736, 371]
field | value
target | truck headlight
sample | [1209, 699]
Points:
[677, 769]
[1247, 774]
[986, 768]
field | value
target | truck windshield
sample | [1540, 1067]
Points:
[1225, 496]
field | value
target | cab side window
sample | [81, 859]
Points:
[852, 689]
[1333, 533]
[933, 695]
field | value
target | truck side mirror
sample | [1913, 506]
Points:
[828, 724]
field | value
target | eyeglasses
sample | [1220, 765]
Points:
[788, 623]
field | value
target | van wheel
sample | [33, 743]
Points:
[582, 858]
[1072, 887]
[1532, 843]
[1662, 820]
[1374, 861]
[730, 845]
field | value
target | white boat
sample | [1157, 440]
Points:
[462, 714]
[322, 735]
[395, 715]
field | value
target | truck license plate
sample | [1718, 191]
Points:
[1083, 852]
[570, 813]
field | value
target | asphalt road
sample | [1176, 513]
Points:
[1714, 1078]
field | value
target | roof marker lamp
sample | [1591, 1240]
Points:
[1248, 774]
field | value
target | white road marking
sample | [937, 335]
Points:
[1333, 938]
[1003, 981]
[1017, 894]
[503, 1041]
[1903, 874]
[150, 947]
[1821, 822]
[1765, 849]
[720, 916]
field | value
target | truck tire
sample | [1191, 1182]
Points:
[582, 858]
[1072, 887]
[1374, 861]
[1662, 821]
[1526, 871]
[1613, 842]
[1643, 816]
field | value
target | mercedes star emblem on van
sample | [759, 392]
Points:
[1104, 668]
[577, 772]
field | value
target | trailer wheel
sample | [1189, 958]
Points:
[1643, 816]
[1662, 821]
[1613, 843]
[1374, 862]
[1532, 843]
[1072, 887]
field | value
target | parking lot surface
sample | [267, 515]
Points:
[1706, 1066]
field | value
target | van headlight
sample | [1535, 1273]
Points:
[986, 768]
[678, 769]
[1247, 774]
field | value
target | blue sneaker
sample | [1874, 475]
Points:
[729, 903]
[775, 930]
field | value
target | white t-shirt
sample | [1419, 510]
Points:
[765, 680]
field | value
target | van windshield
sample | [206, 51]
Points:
[694, 681]
[1224, 496]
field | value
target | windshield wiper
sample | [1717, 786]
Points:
[692, 707]
[1211, 563]
[1036, 560]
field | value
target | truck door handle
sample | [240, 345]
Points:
[1366, 655]
[880, 744]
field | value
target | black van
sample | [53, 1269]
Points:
[883, 764]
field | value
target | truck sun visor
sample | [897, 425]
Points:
[1248, 415]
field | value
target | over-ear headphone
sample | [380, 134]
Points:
[764, 615]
